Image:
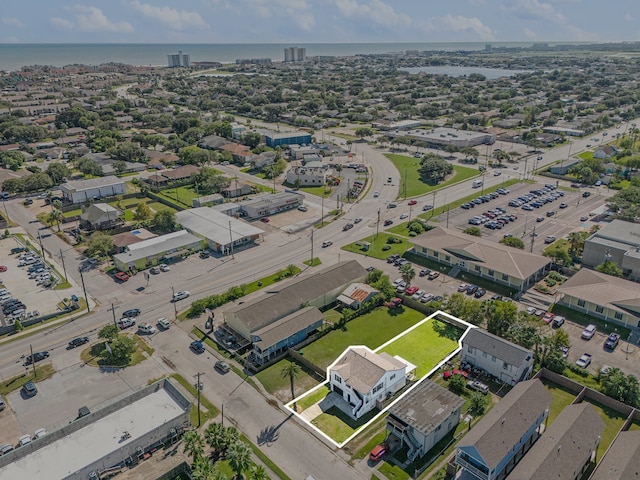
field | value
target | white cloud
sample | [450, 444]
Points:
[298, 9]
[533, 9]
[458, 23]
[12, 22]
[172, 18]
[376, 11]
[477, 3]
[628, 17]
[90, 19]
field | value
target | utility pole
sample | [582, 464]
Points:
[64, 269]
[322, 211]
[33, 363]
[405, 183]
[533, 238]
[378, 224]
[230, 241]
[84, 289]
[311, 264]
[433, 203]
[447, 216]
[198, 388]
[113, 310]
[41, 247]
[410, 207]
[175, 307]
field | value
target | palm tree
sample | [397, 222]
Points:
[202, 469]
[576, 243]
[258, 472]
[193, 444]
[239, 457]
[291, 370]
[407, 272]
[55, 216]
[216, 435]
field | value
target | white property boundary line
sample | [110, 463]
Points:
[439, 365]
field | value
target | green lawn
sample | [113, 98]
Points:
[372, 329]
[321, 191]
[340, 426]
[613, 423]
[393, 472]
[312, 398]
[183, 195]
[424, 346]
[272, 380]
[408, 169]
[72, 213]
[377, 244]
[157, 206]
[588, 155]
[561, 397]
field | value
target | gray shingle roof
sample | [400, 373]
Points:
[508, 421]
[498, 347]
[287, 326]
[564, 448]
[622, 460]
[362, 369]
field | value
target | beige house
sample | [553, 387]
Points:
[100, 216]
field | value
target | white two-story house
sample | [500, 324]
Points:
[508, 362]
[362, 378]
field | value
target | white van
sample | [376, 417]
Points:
[477, 183]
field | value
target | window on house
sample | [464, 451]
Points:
[392, 376]
[337, 378]
[447, 258]
[470, 349]
[505, 366]
[491, 273]
[599, 309]
[484, 354]
[436, 254]
[581, 303]
[505, 277]
[377, 388]
[493, 359]
[618, 316]
[477, 268]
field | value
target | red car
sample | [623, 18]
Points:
[396, 302]
[548, 317]
[123, 277]
[265, 219]
[412, 202]
[449, 373]
[411, 290]
[379, 451]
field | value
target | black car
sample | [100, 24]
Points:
[29, 389]
[612, 341]
[479, 293]
[131, 313]
[388, 222]
[424, 272]
[203, 254]
[37, 356]
[197, 347]
[586, 194]
[76, 342]
[472, 289]
[496, 297]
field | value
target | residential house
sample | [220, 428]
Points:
[495, 445]
[100, 216]
[356, 294]
[364, 378]
[566, 449]
[263, 160]
[622, 459]
[240, 154]
[609, 298]
[508, 362]
[605, 151]
[511, 267]
[180, 173]
[237, 189]
[423, 417]
[81, 191]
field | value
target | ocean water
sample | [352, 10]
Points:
[15, 56]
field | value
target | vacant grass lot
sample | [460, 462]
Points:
[272, 380]
[183, 195]
[340, 426]
[377, 244]
[415, 186]
[423, 346]
[372, 329]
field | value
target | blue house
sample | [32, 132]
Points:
[492, 448]
[274, 140]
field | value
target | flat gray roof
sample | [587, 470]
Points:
[83, 447]
[619, 234]
[80, 185]
[215, 226]
[157, 245]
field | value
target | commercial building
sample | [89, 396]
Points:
[178, 60]
[508, 362]
[566, 449]
[275, 139]
[443, 136]
[270, 204]
[507, 266]
[603, 296]
[495, 445]
[96, 444]
[398, 125]
[285, 298]
[307, 176]
[220, 232]
[82, 191]
[162, 249]
[363, 378]
[423, 417]
[295, 54]
[618, 242]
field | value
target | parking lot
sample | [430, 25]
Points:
[573, 215]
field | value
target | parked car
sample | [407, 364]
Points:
[412, 202]
[6, 448]
[433, 275]
[462, 287]
[548, 317]
[41, 432]
[471, 289]
[558, 321]
[76, 342]
[164, 267]
[122, 276]
[164, 323]
[424, 272]
[24, 440]
[411, 290]
[378, 452]
[203, 254]
[589, 332]
[326, 244]
[222, 366]
[147, 328]
[131, 313]
[427, 297]
[612, 341]
[450, 373]
[584, 361]
[479, 293]
[302, 208]
[36, 357]
[180, 295]
[29, 389]
[197, 347]
[478, 386]
[126, 322]
[265, 219]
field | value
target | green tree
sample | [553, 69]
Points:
[513, 242]
[624, 388]
[122, 347]
[202, 469]
[100, 244]
[109, 332]
[216, 437]
[55, 216]
[58, 171]
[610, 268]
[258, 472]
[89, 166]
[194, 155]
[457, 384]
[193, 444]
[477, 404]
[251, 139]
[120, 166]
[362, 132]
[407, 273]
[434, 168]
[291, 371]
[474, 231]
[12, 159]
[239, 457]
[500, 316]
[164, 221]
[576, 243]
[142, 212]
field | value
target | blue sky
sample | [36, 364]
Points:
[310, 21]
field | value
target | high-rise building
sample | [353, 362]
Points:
[295, 54]
[178, 60]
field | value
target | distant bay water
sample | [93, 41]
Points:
[456, 71]
[15, 56]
